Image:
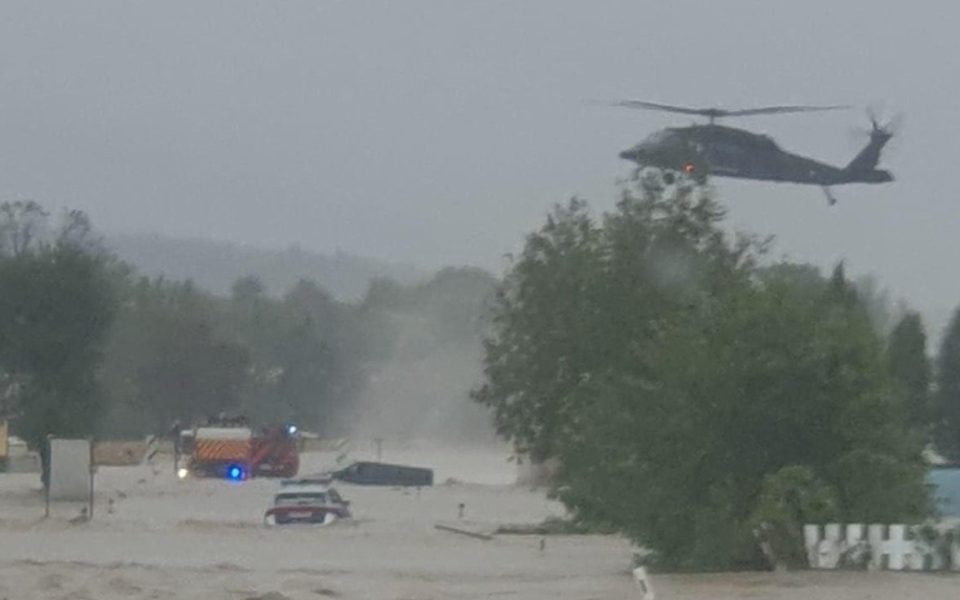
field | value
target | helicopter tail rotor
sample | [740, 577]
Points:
[879, 129]
[865, 162]
[890, 128]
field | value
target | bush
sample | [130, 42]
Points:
[790, 498]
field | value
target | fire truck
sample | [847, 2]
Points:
[237, 453]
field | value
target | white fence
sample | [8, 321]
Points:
[893, 547]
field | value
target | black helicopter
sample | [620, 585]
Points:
[698, 151]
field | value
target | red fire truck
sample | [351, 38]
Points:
[236, 453]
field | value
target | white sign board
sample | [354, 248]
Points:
[70, 471]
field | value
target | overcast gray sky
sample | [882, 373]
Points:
[439, 132]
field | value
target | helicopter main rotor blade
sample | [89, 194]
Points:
[715, 113]
[773, 110]
[643, 104]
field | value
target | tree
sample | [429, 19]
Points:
[671, 377]
[178, 353]
[169, 358]
[305, 351]
[248, 291]
[876, 299]
[910, 368]
[308, 377]
[947, 397]
[20, 224]
[542, 340]
[56, 309]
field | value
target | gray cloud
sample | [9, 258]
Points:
[438, 132]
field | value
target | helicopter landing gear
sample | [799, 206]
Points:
[831, 199]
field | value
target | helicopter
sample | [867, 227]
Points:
[700, 150]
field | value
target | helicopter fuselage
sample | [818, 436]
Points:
[700, 151]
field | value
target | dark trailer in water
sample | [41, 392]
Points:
[374, 473]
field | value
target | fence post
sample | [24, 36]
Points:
[896, 547]
[876, 534]
[811, 540]
[45, 475]
[93, 470]
[829, 551]
[854, 534]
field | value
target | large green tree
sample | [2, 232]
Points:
[672, 378]
[57, 302]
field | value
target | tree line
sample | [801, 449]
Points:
[89, 347]
[702, 398]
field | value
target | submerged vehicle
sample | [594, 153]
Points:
[376, 473]
[307, 501]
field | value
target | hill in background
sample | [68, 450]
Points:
[215, 265]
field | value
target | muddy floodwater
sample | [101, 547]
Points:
[164, 538]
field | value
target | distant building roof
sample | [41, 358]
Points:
[946, 489]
